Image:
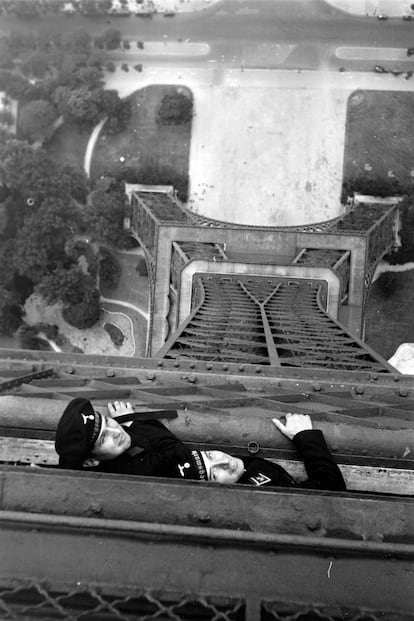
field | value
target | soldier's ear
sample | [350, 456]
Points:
[91, 462]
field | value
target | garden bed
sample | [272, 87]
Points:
[146, 152]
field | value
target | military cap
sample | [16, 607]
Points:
[193, 466]
[77, 432]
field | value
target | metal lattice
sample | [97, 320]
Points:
[34, 600]
[87, 602]
[268, 321]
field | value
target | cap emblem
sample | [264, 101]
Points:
[87, 417]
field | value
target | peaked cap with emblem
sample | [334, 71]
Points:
[193, 467]
[77, 432]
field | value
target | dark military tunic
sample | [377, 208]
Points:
[156, 451]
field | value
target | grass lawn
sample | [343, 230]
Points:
[144, 144]
[380, 137]
[68, 144]
[389, 320]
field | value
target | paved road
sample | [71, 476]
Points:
[236, 29]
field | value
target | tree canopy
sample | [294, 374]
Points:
[175, 109]
[36, 120]
[105, 212]
[65, 285]
[40, 243]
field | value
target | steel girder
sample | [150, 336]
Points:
[268, 321]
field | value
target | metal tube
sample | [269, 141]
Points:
[210, 536]
[360, 438]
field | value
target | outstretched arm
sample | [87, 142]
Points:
[321, 468]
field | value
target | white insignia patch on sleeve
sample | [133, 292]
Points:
[260, 479]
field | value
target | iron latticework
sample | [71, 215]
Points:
[34, 600]
[96, 546]
[268, 321]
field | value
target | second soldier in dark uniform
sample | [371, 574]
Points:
[85, 438]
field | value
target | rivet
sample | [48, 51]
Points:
[359, 390]
[203, 517]
[314, 524]
[225, 367]
[176, 363]
[95, 508]
[241, 368]
[192, 378]
[209, 367]
[253, 447]
[70, 370]
[374, 376]
[192, 365]
[317, 387]
[160, 363]
[151, 376]
[110, 373]
[258, 370]
[396, 378]
[403, 392]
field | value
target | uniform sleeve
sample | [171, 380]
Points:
[152, 435]
[321, 468]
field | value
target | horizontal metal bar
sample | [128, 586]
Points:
[211, 536]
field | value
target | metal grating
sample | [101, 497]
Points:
[33, 600]
[90, 603]
[268, 322]
[164, 208]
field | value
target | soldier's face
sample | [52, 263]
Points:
[112, 441]
[223, 468]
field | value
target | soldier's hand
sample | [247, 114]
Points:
[117, 408]
[293, 425]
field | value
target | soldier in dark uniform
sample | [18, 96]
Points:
[85, 438]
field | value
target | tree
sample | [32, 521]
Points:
[175, 109]
[78, 40]
[109, 269]
[31, 175]
[105, 213]
[10, 319]
[116, 109]
[86, 313]
[36, 64]
[40, 243]
[112, 38]
[30, 339]
[36, 120]
[80, 104]
[15, 85]
[65, 285]
[73, 182]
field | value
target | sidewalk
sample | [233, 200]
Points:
[391, 8]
